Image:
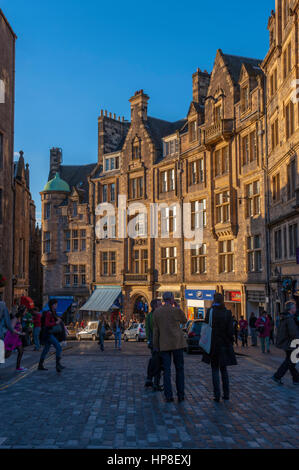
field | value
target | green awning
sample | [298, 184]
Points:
[102, 298]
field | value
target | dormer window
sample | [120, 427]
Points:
[136, 149]
[111, 163]
[170, 147]
[245, 98]
[75, 209]
[192, 131]
[217, 114]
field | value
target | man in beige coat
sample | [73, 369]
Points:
[168, 338]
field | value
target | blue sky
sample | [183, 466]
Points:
[75, 57]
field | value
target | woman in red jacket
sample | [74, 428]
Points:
[263, 326]
[50, 321]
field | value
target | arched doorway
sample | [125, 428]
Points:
[140, 308]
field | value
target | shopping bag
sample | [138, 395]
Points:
[206, 334]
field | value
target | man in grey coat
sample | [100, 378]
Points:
[288, 331]
[168, 338]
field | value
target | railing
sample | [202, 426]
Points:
[216, 131]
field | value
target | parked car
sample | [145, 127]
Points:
[135, 331]
[72, 332]
[193, 336]
[90, 332]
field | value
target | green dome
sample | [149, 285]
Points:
[57, 184]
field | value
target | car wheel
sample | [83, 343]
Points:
[94, 338]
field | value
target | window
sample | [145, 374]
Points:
[278, 244]
[254, 254]
[198, 214]
[108, 192]
[170, 147]
[253, 199]
[1, 150]
[167, 181]
[217, 114]
[222, 161]
[196, 172]
[285, 240]
[169, 219]
[289, 119]
[75, 244]
[199, 260]
[105, 193]
[287, 60]
[75, 276]
[222, 207]
[276, 187]
[293, 239]
[244, 98]
[112, 192]
[192, 131]
[111, 163]
[136, 188]
[140, 261]
[273, 83]
[226, 256]
[82, 271]
[47, 211]
[249, 150]
[75, 209]
[108, 263]
[82, 240]
[67, 240]
[47, 242]
[67, 275]
[169, 260]
[136, 149]
[274, 134]
[291, 183]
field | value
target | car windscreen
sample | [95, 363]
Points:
[196, 327]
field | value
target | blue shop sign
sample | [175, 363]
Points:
[200, 294]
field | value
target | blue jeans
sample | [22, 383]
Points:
[36, 333]
[178, 359]
[51, 341]
[102, 339]
[265, 343]
[117, 337]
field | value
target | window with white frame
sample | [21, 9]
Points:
[169, 260]
[167, 180]
[226, 256]
[199, 259]
[222, 207]
[196, 172]
[253, 199]
[170, 147]
[169, 219]
[198, 214]
[254, 254]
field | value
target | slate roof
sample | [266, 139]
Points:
[234, 64]
[159, 128]
[76, 175]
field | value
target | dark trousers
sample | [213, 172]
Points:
[288, 365]
[178, 359]
[216, 381]
[154, 369]
[101, 340]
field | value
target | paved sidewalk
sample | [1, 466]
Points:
[99, 401]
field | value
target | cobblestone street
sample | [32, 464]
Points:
[99, 401]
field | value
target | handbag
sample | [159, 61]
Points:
[206, 334]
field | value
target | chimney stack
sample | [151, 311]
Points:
[201, 81]
[139, 106]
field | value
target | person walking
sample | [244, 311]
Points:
[51, 326]
[252, 322]
[263, 327]
[272, 324]
[13, 339]
[117, 333]
[243, 324]
[236, 330]
[168, 339]
[101, 332]
[154, 364]
[37, 319]
[222, 352]
[288, 331]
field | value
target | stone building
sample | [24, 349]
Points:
[7, 95]
[282, 97]
[66, 233]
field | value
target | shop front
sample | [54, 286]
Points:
[233, 302]
[197, 302]
[255, 301]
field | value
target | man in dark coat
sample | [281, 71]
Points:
[288, 331]
[168, 338]
[222, 351]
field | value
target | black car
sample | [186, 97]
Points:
[193, 336]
